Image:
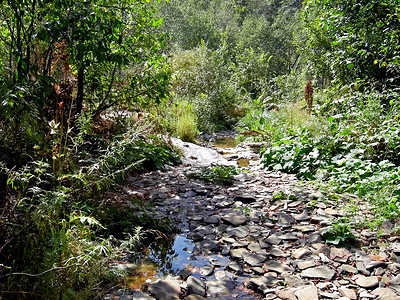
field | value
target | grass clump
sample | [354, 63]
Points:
[217, 174]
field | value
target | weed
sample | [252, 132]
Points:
[217, 174]
[339, 233]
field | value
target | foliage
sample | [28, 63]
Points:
[354, 40]
[217, 174]
[339, 233]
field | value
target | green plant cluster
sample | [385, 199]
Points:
[217, 174]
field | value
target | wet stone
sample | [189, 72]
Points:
[207, 270]
[208, 245]
[165, 287]
[196, 286]
[220, 287]
[264, 282]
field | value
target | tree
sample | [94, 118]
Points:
[57, 55]
[354, 40]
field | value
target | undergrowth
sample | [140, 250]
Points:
[350, 144]
[63, 221]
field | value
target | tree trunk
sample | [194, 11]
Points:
[79, 96]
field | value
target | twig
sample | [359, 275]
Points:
[35, 275]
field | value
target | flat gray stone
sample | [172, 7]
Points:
[254, 260]
[196, 286]
[307, 293]
[385, 294]
[255, 247]
[322, 272]
[207, 270]
[212, 219]
[302, 265]
[195, 297]
[294, 281]
[234, 219]
[165, 287]
[237, 253]
[349, 269]
[367, 282]
[220, 287]
[284, 219]
[208, 244]
[348, 293]
[277, 252]
[264, 282]
[300, 253]
[240, 232]
[276, 266]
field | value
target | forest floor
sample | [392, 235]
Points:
[260, 237]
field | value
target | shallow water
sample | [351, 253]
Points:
[225, 142]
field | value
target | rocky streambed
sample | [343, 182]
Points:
[258, 238]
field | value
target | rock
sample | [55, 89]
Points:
[196, 286]
[161, 288]
[322, 272]
[349, 293]
[237, 253]
[300, 253]
[273, 240]
[240, 232]
[307, 293]
[316, 195]
[286, 294]
[349, 269]
[294, 281]
[385, 294]
[254, 260]
[234, 219]
[264, 282]
[207, 270]
[289, 237]
[212, 219]
[284, 219]
[195, 297]
[255, 247]
[367, 282]
[277, 252]
[302, 265]
[208, 245]
[220, 288]
[340, 254]
[276, 266]
[361, 268]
